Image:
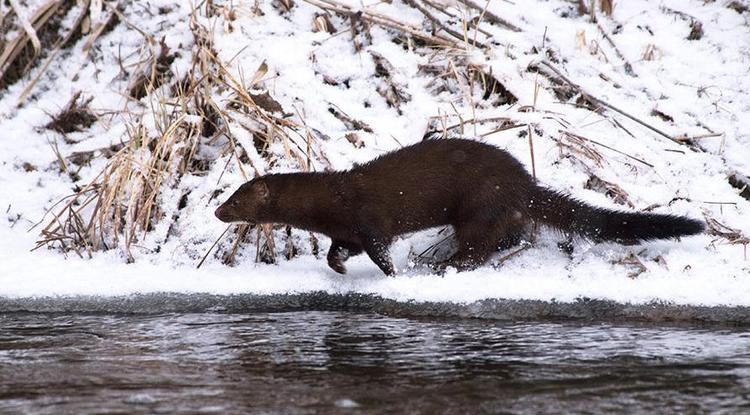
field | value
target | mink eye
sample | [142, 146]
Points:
[235, 202]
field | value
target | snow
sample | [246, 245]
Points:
[704, 85]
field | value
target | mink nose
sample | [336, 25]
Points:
[220, 213]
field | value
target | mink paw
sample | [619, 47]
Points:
[337, 265]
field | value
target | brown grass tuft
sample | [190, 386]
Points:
[75, 116]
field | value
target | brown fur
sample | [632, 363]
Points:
[481, 190]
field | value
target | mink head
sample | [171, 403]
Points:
[247, 204]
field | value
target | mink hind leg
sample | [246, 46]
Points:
[478, 240]
[377, 250]
[510, 240]
[339, 252]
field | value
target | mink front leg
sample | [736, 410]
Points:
[341, 251]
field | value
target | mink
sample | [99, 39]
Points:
[482, 191]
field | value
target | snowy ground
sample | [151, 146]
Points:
[694, 88]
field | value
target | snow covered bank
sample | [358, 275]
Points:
[328, 100]
[523, 278]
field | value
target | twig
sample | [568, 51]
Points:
[11, 51]
[598, 102]
[628, 66]
[440, 8]
[475, 23]
[27, 27]
[697, 137]
[99, 29]
[53, 55]
[608, 147]
[503, 128]
[481, 121]
[491, 17]
[436, 245]
[383, 21]
[531, 150]
[440, 24]
[349, 122]
[510, 255]
[212, 246]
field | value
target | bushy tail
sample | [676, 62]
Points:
[570, 215]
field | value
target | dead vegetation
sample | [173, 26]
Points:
[391, 90]
[75, 116]
[42, 26]
[611, 190]
[41, 35]
[125, 202]
[726, 234]
[633, 263]
[153, 73]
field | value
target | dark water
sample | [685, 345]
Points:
[335, 362]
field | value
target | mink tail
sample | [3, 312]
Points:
[568, 214]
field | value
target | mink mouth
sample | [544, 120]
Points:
[236, 221]
[224, 215]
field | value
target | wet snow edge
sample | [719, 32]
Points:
[585, 310]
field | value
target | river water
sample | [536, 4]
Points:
[350, 363]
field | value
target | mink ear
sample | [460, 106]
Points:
[261, 190]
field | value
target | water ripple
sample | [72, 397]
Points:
[335, 362]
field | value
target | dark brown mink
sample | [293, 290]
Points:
[482, 191]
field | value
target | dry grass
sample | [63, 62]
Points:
[26, 47]
[43, 36]
[122, 203]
